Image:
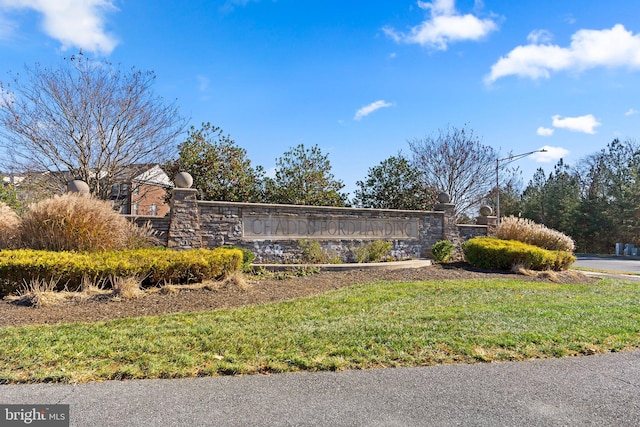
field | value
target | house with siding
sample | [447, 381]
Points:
[137, 190]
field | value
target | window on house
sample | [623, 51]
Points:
[153, 210]
[135, 208]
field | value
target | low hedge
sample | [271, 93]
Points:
[498, 254]
[442, 251]
[151, 266]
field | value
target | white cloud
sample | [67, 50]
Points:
[551, 154]
[444, 25]
[542, 131]
[585, 124]
[632, 112]
[539, 36]
[74, 23]
[368, 109]
[612, 48]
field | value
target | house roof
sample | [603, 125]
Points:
[155, 176]
[140, 173]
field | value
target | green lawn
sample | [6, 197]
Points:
[380, 324]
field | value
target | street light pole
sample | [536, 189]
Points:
[508, 160]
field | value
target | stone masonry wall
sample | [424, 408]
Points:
[469, 231]
[276, 233]
[273, 232]
[160, 226]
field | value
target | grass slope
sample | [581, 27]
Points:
[383, 324]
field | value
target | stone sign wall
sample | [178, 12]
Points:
[275, 233]
[257, 227]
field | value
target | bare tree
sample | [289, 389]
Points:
[455, 161]
[87, 118]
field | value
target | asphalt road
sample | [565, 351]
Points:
[623, 264]
[601, 390]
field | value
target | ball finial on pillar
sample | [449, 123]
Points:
[78, 186]
[486, 210]
[183, 180]
[444, 197]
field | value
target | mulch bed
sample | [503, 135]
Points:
[258, 290]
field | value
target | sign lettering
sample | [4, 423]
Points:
[288, 227]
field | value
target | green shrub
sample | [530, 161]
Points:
[152, 266]
[527, 231]
[9, 224]
[313, 253]
[375, 251]
[442, 251]
[247, 256]
[77, 223]
[497, 254]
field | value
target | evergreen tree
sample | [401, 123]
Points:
[303, 177]
[554, 200]
[394, 184]
[533, 206]
[219, 167]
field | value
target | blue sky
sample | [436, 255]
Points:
[361, 78]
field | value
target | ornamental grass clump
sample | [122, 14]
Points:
[527, 231]
[73, 222]
[9, 223]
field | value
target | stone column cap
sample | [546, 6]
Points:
[443, 206]
[185, 190]
[487, 220]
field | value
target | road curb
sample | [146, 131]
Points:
[394, 265]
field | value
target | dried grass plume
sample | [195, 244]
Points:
[9, 224]
[527, 231]
[73, 222]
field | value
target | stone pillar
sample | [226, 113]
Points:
[184, 229]
[486, 217]
[449, 228]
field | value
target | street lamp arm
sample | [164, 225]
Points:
[508, 160]
[515, 157]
